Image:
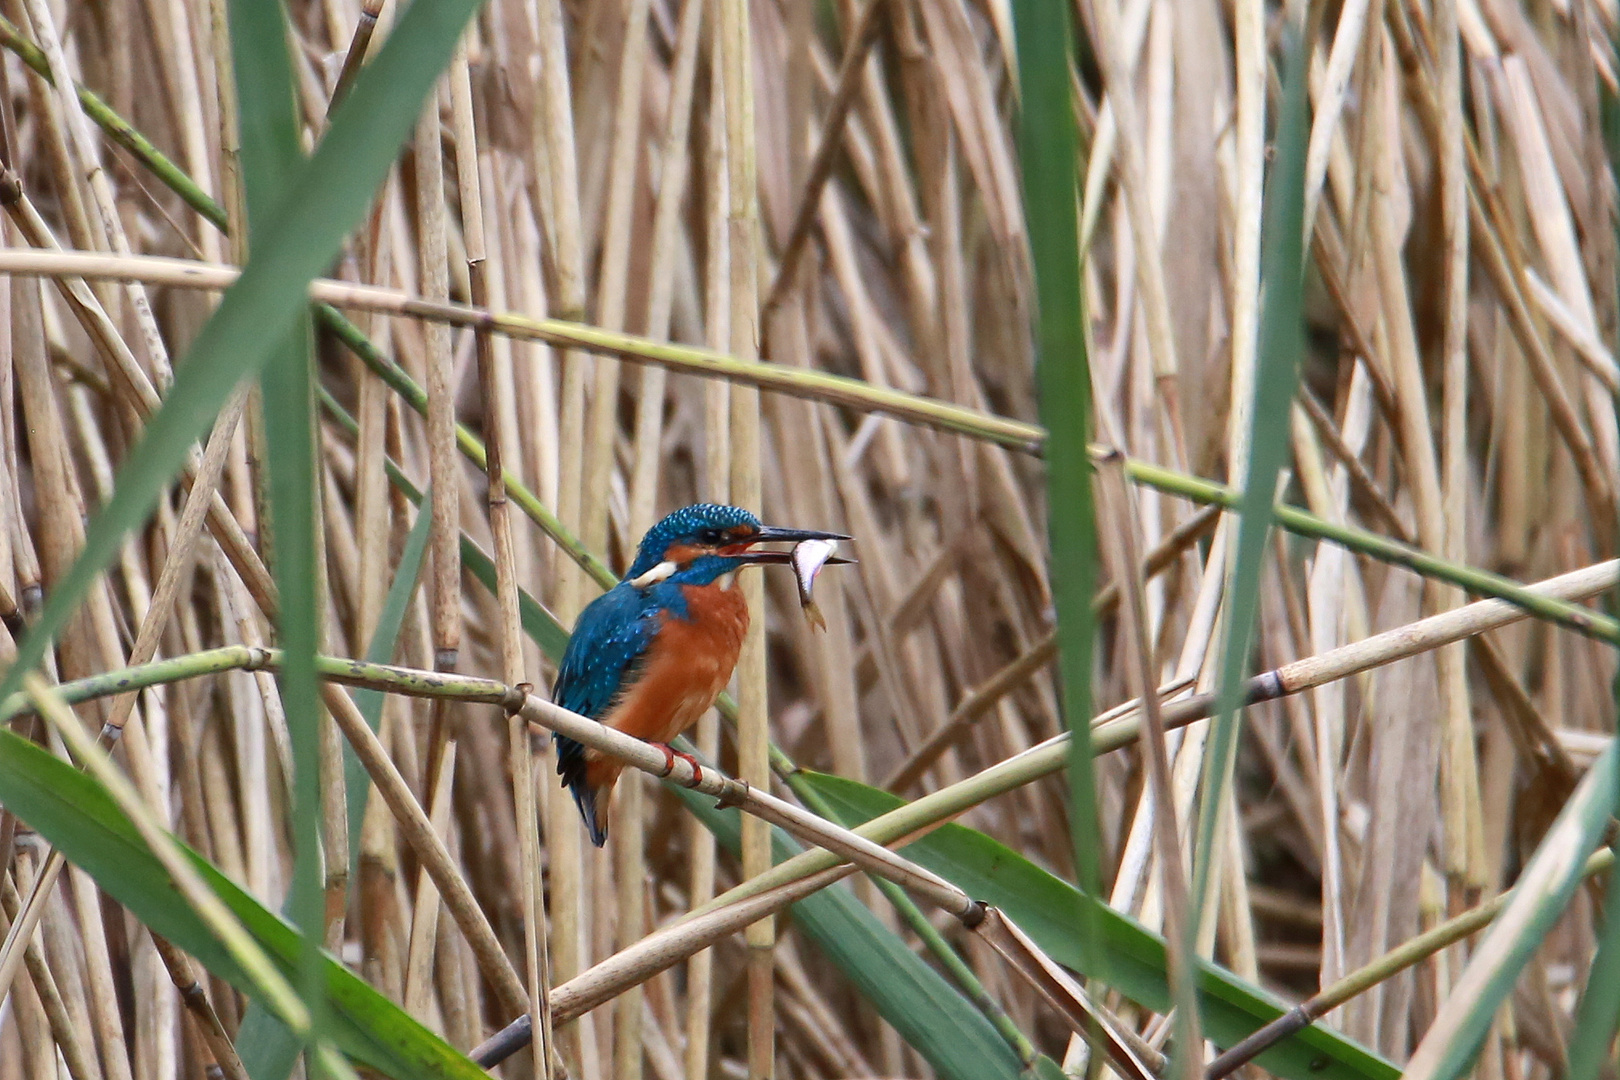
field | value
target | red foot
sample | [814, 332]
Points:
[670, 754]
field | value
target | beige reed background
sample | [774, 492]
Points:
[597, 161]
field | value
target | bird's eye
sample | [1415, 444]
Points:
[710, 537]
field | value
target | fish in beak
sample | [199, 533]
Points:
[773, 534]
[812, 549]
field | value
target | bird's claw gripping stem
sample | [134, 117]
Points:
[670, 754]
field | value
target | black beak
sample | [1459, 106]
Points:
[771, 534]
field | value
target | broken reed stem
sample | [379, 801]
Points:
[355, 57]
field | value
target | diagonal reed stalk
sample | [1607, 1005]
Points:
[830, 389]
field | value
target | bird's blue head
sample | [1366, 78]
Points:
[698, 544]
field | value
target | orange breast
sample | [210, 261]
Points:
[687, 666]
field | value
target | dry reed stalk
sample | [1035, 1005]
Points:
[509, 631]
[1459, 777]
[645, 476]
[1115, 506]
[714, 485]
[736, 59]
[416, 827]
[432, 259]
[376, 531]
[81, 1065]
[556, 168]
[601, 437]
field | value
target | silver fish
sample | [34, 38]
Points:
[808, 559]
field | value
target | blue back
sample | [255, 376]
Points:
[610, 636]
[613, 633]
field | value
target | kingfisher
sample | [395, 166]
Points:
[649, 656]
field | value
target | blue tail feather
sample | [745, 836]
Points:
[571, 767]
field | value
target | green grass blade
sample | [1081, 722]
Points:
[271, 157]
[1125, 955]
[936, 1020]
[291, 466]
[301, 238]
[268, 110]
[74, 812]
[1600, 1004]
[1282, 341]
[1539, 899]
[1048, 145]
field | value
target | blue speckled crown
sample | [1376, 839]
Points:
[685, 524]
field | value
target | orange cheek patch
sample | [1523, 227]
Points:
[681, 554]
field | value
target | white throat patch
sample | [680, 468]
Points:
[655, 575]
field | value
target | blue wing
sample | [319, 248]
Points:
[610, 638]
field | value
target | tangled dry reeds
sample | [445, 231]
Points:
[834, 190]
